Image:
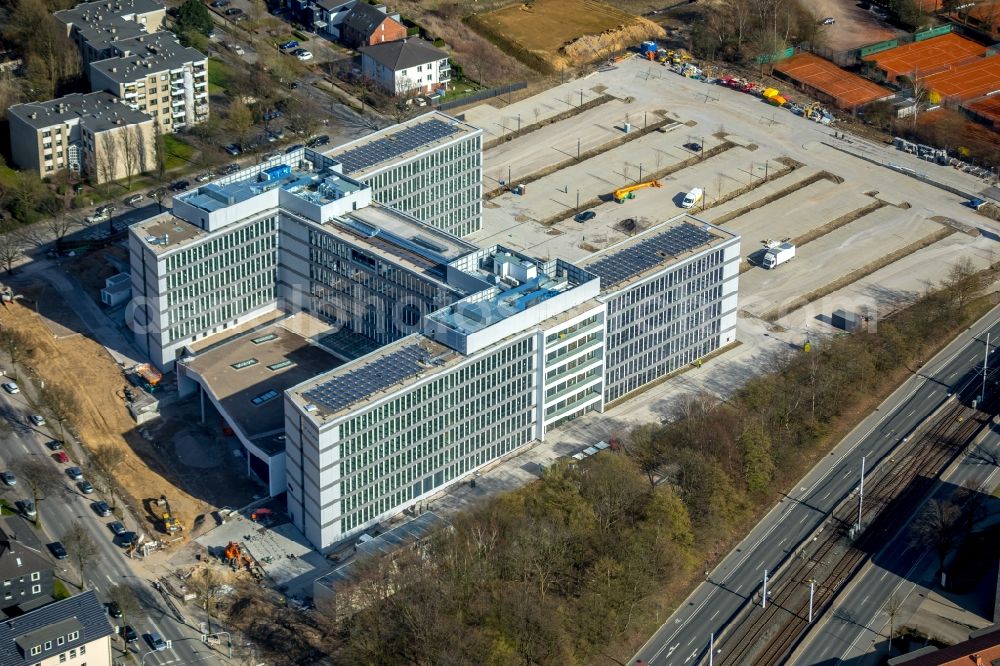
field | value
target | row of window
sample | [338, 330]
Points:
[570, 330]
[61, 640]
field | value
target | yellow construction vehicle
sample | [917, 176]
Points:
[812, 111]
[623, 193]
[170, 522]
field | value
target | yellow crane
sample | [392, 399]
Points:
[623, 193]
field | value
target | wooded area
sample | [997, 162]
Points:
[576, 566]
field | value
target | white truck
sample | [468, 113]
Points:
[777, 254]
[692, 197]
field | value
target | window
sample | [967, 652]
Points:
[83, 650]
[48, 645]
[72, 654]
[60, 640]
[62, 658]
[37, 649]
[36, 576]
[73, 635]
[36, 589]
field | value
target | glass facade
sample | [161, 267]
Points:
[442, 187]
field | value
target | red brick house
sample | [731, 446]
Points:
[367, 25]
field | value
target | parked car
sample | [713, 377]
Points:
[219, 4]
[693, 146]
[302, 54]
[128, 633]
[117, 527]
[126, 539]
[231, 169]
[180, 186]
[27, 507]
[316, 141]
[86, 487]
[156, 641]
[237, 49]
[273, 155]
[74, 473]
[290, 44]
[294, 85]
[101, 509]
[585, 215]
[11, 388]
[95, 218]
[234, 149]
[54, 445]
[133, 199]
[114, 610]
[204, 177]
[829, 20]
[275, 135]
[37, 419]
[272, 114]
[292, 149]
[61, 457]
[233, 11]
[58, 550]
[106, 209]
[158, 193]
[9, 478]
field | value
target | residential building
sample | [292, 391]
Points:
[429, 167]
[982, 648]
[95, 26]
[437, 357]
[156, 75]
[407, 67]
[93, 134]
[25, 575]
[327, 16]
[365, 24]
[70, 632]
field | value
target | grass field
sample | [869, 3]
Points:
[178, 151]
[220, 77]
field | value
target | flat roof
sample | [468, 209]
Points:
[166, 231]
[249, 373]
[649, 252]
[988, 108]
[99, 111]
[368, 154]
[927, 56]
[967, 81]
[847, 89]
[369, 378]
[145, 55]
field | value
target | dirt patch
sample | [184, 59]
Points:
[854, 26]
[149, 469]
[93, 268]
[53, 311]
[552, 35]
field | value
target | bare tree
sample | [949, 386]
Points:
[159, 150]
[892, 608]
[60, 402]
[208, 584]
[107, 459]
[129, 154]
[142, 149]
[59, 225]
[42, 478]
[937, 527]
[104, 158]
[82, 547]
[11, 249]
[128, 602]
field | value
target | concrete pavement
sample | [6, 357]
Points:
[684, 637]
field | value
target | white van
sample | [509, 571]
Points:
[693, 197]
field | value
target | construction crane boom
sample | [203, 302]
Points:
[623, 193]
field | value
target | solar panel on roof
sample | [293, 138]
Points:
[356, 385]
[399, 143]
[636, 259]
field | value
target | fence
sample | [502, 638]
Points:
[481, 95]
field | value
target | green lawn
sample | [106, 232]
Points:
[459, 89]
[220, 76]
[59, 590]
[178, 151]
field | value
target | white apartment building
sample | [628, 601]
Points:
[430, 167]
[95, 26]
[88, 134]
[407, 67]
[156, 75]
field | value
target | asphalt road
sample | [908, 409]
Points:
[684, 637]
[60, 510]
[857, 629]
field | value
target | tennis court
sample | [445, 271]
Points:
[926, 57]
[988, 109]
[846, 90]
[967, 81]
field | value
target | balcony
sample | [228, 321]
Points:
[178, 113]
[177, 102]
[200, 72]
[201, 110]
[201, 94]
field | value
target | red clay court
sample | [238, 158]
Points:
[968, 81]
[987, 109]
[927, 57]
[848, 91]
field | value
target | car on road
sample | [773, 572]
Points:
[74, 473]
[320, 140]
[156, 641]
[180, 186]
[233, 149]
[117, 527]
[585, 215]
[133, 199]
[9, 478]
[86, 487]
[114, 610]
[204, 177]
[101, 509]
[128, 633]
[11, 388]
[230, 169]
[37, 419]
[61, 457]
[302, 54]
[58, 550]
[829, 20]
[126, 539]
[27, 507]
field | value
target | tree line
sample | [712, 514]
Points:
[575, 567]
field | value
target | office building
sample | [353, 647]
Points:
[95, 26]
[406, 358]
[156, 75]
[430, 167]
[94, 134]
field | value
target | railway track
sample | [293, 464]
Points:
[764, 636]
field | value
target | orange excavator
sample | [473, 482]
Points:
[236, 557]
[623, 193]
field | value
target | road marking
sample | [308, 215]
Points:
[828, 494]
[714, 614]
[803, 519]
[109, 579]
[671, 650]
[691, 642]
[693, 655]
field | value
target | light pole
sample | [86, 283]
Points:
[986, 357]
[763, 599]
[861, 492]
[711, 648]
[812, 589]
